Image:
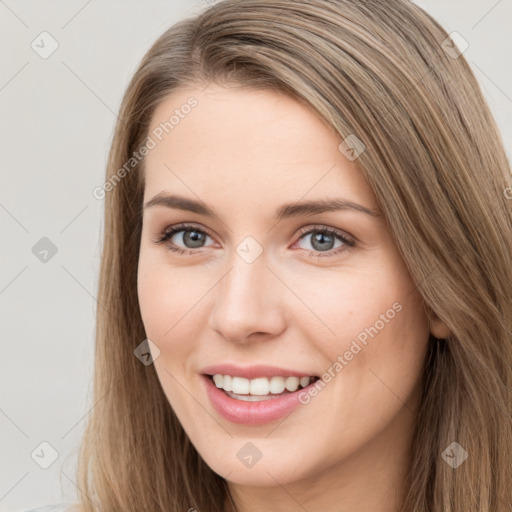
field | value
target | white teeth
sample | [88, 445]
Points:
[250, 398]
[304, 381]
[261, 386]
[276, 385]
[240, 386]
[292, 383]
[227, 383]
[218, 379]
[258, 386]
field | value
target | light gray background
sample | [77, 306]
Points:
[57, 118]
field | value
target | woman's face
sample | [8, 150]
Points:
[251, 290]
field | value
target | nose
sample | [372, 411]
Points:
[247, 303]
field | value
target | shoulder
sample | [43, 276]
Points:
[61, 507]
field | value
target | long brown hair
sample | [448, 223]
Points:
[381, 70]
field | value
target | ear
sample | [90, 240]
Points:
[439, 329]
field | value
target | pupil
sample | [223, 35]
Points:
[194, 238]
[321, 237]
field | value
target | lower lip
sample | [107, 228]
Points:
[251, 413]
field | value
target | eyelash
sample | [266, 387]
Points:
[172, 230]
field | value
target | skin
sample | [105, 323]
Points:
[244, 153]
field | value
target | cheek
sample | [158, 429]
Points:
[398, 355]
[167, 310]
[374, 362]
[166, 298]
[379, 330]
[155, 298]
[382, 348]
[346, 304]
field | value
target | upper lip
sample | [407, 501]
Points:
[253, 371]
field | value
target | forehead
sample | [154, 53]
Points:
[254, 143]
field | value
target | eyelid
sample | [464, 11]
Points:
[348, 240]
[325, 228]
[171, 230]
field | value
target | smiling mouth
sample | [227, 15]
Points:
[262, 388]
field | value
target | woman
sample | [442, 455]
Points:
[240, 365]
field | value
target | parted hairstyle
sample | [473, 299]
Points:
[435, 160]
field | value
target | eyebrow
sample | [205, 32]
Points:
[285, 211]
